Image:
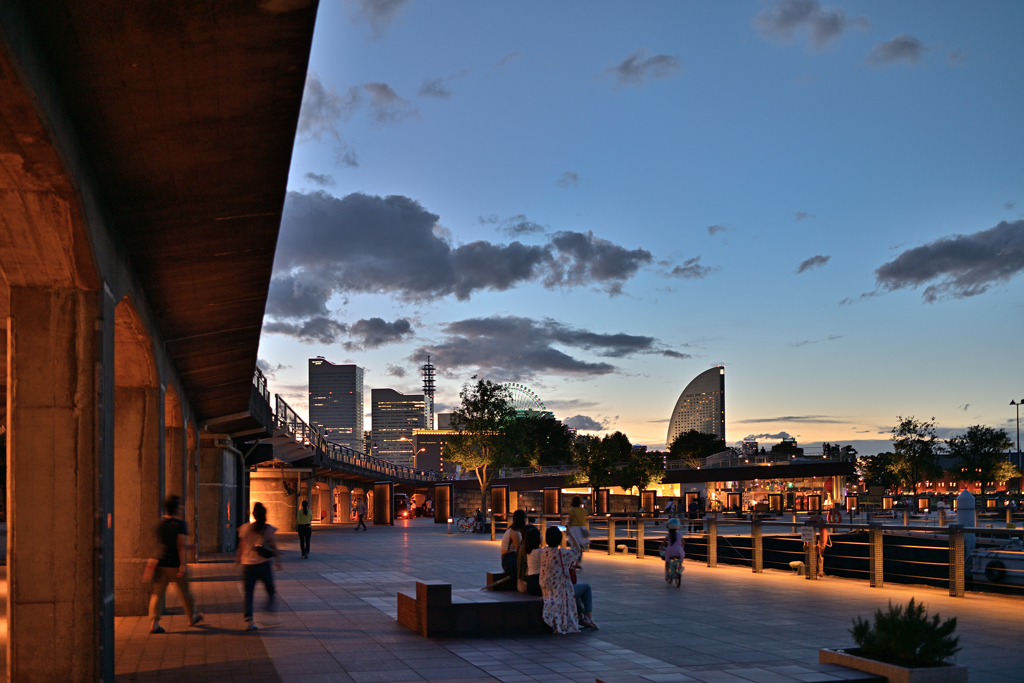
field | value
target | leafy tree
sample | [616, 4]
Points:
[693, 447]
[482, 444]
[980, 455]
[916, 451]
[643, 469]
[595, 462]
[542, 439]
[879, 470]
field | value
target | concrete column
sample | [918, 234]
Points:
[56, 522]
[331, 502]
[217, 491]
[191, 497]
[138, 436]
[278, 495]
[344, 505]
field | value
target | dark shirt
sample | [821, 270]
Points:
[167, 532]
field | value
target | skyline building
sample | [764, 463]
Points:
[701, 406]
[394, 416]
[336, 402]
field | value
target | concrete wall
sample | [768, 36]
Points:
[217, 494]
[282, 503]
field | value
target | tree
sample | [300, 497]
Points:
[879, 470]
[643, 470]
[594, 462]
[980, 455]
[542, 439]
[482, 444]
[916, 451]
[693, 447]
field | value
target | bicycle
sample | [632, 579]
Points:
[464, 524]
[675, 571]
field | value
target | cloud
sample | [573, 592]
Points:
[512, 56]
[902, 48]
[957, 57]
[808, 419]
[386, 106]
[779, 436]
[346, 156]
[692, 270]
[811, 263]
[964, 407]
[270, 369]
[395, 370]
[831, 337]
[323, 109]
[513, 347]
[365, 244]
[715, 229]
[583, 423]
[849, 301]
[1010, 206]
[435, 87]
[569, 405]
[514, 226]
[321, 179]
[958, 266]
[568, 179]
[373, 333]
[638, 68]
[802, 216]
[376, 14]
[823, 25]
[320, 329]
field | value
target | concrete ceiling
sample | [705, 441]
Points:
[187, 114]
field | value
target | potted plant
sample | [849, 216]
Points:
[904, 645]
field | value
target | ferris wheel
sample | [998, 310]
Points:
[523, 399]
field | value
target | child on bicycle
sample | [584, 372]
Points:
[673, 545]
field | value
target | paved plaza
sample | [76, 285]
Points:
[336, 621]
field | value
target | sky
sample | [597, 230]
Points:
[601, 200]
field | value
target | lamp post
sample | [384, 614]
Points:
[1017, 404]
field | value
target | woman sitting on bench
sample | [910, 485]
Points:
[560, 590]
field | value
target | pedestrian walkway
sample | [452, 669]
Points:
[336, 621]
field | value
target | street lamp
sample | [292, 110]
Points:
[1018, 404]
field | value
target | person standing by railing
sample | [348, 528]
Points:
[304, 525]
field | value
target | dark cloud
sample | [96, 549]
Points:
[568, 179]
[583, 423]
[823, 24]
[780, 436]
[715, 229]
[692, 270]
[395, 370]
[323, 109]
[964, 407]
[512, 347]
[902, 48]
[320, 329]
[849, 301]
[957, 57]
[811, 263]
[270, 369]
[346, 156]
[802, 216]
[386, 106]
[373, 333]
[392, 245]
[809, 419]
[435, 87]
[507, 58]
[638, 68]
[958, 266]
[514, 226]
[321, 179]
[375, 14]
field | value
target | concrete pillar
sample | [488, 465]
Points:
[217, 491]
[57, 547]
[331, 501]
[344, 504]
[191, 497]
[138, 435]
[278, 494]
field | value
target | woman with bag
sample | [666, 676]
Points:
[256, 548]
[560, 588]
[578, 524]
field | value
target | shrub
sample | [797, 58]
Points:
[906, 637]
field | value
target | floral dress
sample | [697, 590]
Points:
[559, 596]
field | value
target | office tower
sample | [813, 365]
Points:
[395, 416]
[428, 391]
[701, 406]
[336, 402]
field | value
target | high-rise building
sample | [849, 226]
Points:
[701, 406]
[395, 416]
[336, 402]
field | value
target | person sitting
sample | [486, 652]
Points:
[510, 542]
[557, 587]
[529, 563]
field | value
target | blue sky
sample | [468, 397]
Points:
[601, 200]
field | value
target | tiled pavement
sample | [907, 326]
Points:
[336, 622]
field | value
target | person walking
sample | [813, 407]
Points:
[170, 566]
[361, 514]
[577, 528]
[256, 548]
[304, 525]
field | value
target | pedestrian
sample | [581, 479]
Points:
[577, 527]
[256, 549]
[361, 514]
[691, 514]
[823, 541]
[304, 525]
[170, 566]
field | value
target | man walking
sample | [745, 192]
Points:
[169, 565]
[361, 514]
[304, 525]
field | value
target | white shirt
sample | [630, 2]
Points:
[533, 562]
[510, 541]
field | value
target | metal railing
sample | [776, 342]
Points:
[287, 420]
[260, 382]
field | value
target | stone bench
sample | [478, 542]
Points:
[433, 611]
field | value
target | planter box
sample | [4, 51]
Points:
[895, 674]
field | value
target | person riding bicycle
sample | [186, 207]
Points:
[673, 545]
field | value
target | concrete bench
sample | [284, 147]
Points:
[434, 612]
